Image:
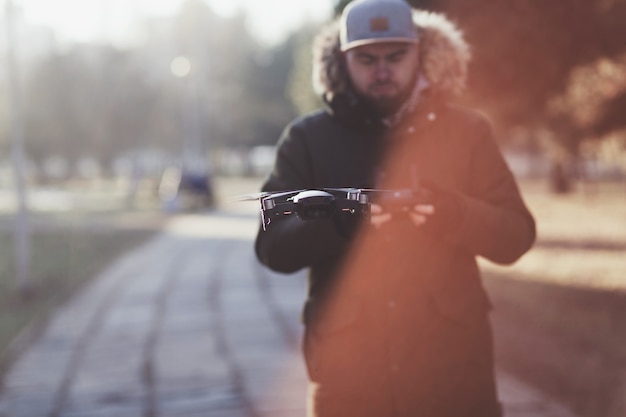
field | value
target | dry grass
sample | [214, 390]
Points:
[581, 239]
[560, 312]
[67, 250]
[61, 261]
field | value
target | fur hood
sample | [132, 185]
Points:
[444, 57]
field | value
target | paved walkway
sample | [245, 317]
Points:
[188, 325]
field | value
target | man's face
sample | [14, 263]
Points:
[383, 74]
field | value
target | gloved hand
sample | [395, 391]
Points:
[347, 224]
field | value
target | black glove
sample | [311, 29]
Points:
[347, 224]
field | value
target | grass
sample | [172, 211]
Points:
[560, 312]
[62, 261]
[67, 250]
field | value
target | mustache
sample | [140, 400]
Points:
[383, 84]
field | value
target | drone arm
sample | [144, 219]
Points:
[270, 211]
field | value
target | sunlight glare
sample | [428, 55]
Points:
[89, 20]
[181, 67]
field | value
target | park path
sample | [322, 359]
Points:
[187, 325]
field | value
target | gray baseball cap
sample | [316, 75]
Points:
[364, 22]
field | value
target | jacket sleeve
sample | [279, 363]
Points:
[495, 222]
[289, 244]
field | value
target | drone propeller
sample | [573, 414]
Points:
[264, 194]
[351, 193]
[251, 197]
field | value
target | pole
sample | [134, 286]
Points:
[22, 235]
[181, 69]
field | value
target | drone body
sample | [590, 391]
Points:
[327, 202]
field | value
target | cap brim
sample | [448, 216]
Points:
[363, 42]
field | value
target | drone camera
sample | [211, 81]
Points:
[314, 204]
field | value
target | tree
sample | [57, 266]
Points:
[101, 101]
[526, 53]
[340, 5]
[90, 101]
[300, 87]
[243, 90]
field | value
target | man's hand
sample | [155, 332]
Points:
[419, 215]
[377, 215]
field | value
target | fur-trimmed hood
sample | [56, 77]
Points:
[444, 57]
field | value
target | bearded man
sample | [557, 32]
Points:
[396, 316]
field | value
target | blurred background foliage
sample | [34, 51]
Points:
[555, 66]
[551, 76]
[101, 103]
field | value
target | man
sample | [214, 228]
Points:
[396, 316]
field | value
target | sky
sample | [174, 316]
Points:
[87, 20]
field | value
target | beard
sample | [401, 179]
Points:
[387, 105]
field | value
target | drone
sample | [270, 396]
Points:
[321, 203]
